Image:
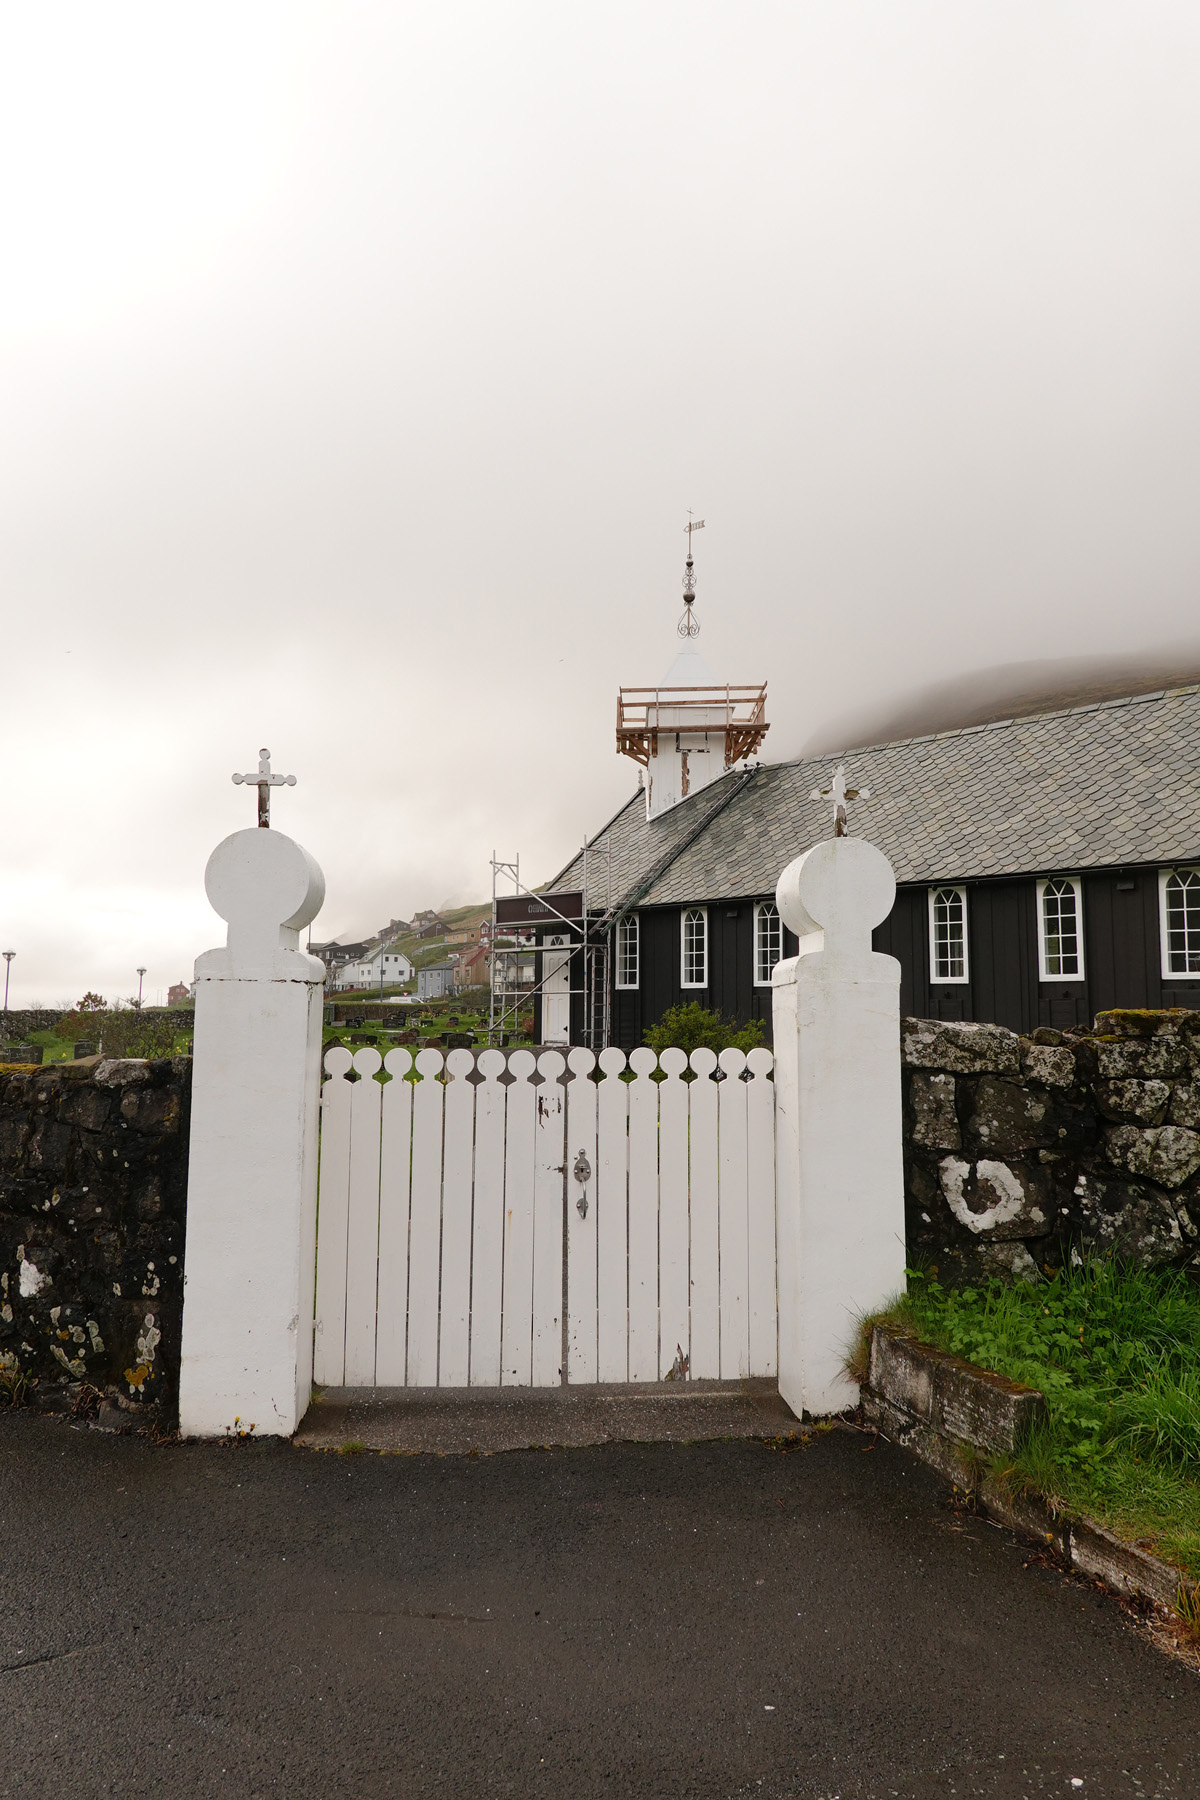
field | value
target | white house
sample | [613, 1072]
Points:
[382, 968]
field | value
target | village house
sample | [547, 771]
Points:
[366, 964]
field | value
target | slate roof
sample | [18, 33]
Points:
[1099, 786]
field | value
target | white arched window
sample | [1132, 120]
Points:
[768, 941]
[948, 934]
[627, 951]
[694, 947]
[1060, 929]
[1179, 921]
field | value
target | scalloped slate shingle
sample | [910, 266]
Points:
[1095, 787]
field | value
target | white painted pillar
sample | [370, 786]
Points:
[839, 1164]
[252, 1174]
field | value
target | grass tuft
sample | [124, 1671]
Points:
[1116, 1352]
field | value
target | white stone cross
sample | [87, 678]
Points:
[839, 793]
[264, 781]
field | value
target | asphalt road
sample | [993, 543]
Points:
[718, 1619]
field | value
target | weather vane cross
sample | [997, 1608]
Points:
[264, 781]
[839, 793]
[687, 626]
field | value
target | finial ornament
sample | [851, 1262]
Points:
[264, 781]
[839, 793]
[687, 626]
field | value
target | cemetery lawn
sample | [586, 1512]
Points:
[1116, 1352]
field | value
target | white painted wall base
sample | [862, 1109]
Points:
[839, 1165]
[252, 1180]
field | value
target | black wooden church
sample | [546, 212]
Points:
[1048, 867]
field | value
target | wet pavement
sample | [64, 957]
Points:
[630, 1620]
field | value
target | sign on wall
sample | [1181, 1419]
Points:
[531, 909]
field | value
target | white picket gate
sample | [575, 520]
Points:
[495, 1219]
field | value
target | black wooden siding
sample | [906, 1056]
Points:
[730, 991]
[1121, 959]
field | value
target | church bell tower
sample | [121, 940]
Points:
[691, 728]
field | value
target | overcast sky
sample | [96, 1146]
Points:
[360, 363]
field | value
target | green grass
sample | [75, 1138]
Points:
[1116, 1351]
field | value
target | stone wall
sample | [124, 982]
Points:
[15, 1027]
[93, 1188]
[1020, 1152]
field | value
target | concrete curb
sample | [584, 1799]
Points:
[955, 1417]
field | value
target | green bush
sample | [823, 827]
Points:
[695, 1027]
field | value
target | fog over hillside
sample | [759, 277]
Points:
[1007, 691]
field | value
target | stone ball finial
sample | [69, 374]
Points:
[844, 886]
[262, 878]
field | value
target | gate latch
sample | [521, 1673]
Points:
[583, 1174]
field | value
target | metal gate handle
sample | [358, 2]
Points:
[583, 1174]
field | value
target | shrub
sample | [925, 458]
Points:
[695, 1027]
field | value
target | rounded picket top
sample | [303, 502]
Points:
[581, 1061]
[732, 1061]
[367, 1061]
[551, 1064]
[490, 1063]
[338, 1060]
[398, 1062]
[521, 1064]
[760, 1061]
[612, 1060]
[643, 1060]
[703, 1060]
[672, 1060]
[459, 1063]
[429, 1062]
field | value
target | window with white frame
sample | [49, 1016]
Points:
[694, 947]
[627, 952]
[1060, 929]
[948, 934]
[768, 941]
[1179, 921]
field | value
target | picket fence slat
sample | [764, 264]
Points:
[516, 1368]
[582, 1349]
[731, 1159]
[395, 1169]
[362, 1236]
[673, 1331]
[425, 1231]
[487, 1237]
[612, 1219]
[333, 1217]
[704, 1220]
[444, 1200]
[549, 1172]
[760, 1200]
[643, 1217]
[454, 1347]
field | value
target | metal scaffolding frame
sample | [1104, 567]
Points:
[508, 993]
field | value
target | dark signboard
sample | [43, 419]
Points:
[540, 909]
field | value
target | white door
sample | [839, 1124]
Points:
[556, 994]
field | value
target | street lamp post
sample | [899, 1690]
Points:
[141, 974]
[8, 956]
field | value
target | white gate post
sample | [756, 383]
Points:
[252, 1176]
[839, 1164]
